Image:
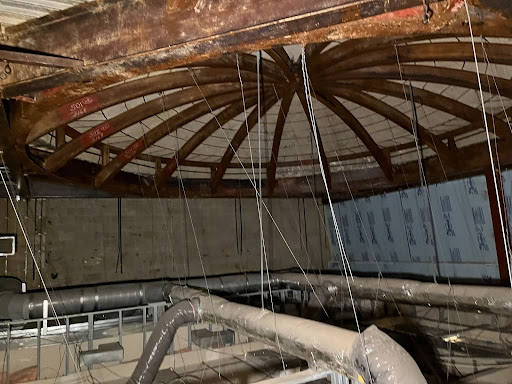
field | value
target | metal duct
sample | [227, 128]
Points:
[322, 345]
[17, 306]
[496, 300]
[161, 338]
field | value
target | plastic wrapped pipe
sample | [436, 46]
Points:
[161, 338]
[496, 300]
[323, 346]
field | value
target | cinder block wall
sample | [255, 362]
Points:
[75, 241]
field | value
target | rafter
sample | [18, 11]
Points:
[313, 51]
[238, 139]
[441, 75]
[283, 61]
[456, 51]
[161, 130]
[200, 136]
[345, 115]
[397, 117]
[430, 99]
[323, 156]
[132, 116]
[278, 133]
[86, 105]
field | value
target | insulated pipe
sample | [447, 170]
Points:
[16, 306]
[185, 312]
[373, 354]
[496, 300]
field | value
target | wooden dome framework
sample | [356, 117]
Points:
[360, 72]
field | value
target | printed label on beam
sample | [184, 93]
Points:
[77, 108]
[96, 134]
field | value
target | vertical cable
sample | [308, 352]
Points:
[258, 64]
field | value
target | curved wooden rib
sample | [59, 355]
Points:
[344, 114]
[213, 125]
[281, 58]
[162, 130]
[323, 156]
[496, 53]
[397, 117]
[434, 100]
[449, 76]
[238, 139]
[313, 51]
[278, 133]
[126, 91]
[130, 117]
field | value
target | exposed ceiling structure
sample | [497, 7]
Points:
[118, 113]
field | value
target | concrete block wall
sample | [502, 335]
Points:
[75, 241]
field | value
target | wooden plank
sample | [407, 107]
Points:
[38, 59]
[345, 115]
[278, 133]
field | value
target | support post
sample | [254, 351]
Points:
[496, 224]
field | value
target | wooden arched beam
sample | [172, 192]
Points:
[345, 115]
[283, 61]
[126, 91]
[163, 129]
[200, 136]
[239, 137]
[397, 117]
[496, 53]
[133, 116]
[430, 99]
[323, 156]
[313, 51]
[278, 133]
[441, 75]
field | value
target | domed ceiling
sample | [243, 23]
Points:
[383, 109]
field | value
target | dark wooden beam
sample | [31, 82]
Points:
[200, 136]
[239, 138]
[323, 156]
[429, 74]
[373, 104]
[126, 119]
[433, 100]
[88, 104]
[281, 58]
[456, 51]
[163, 129]
[278, 133]
[346, 116]
[38, 59]
[154, 35]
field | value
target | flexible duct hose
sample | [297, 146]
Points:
[186, 311]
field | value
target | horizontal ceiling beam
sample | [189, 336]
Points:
[122, 39]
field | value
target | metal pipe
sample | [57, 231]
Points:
[161, 338]
[496, 300]
[323, 346]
